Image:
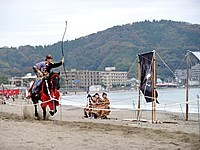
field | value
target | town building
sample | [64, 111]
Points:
[83, 79]
[180, 74]
[111, 78]
[194, 74]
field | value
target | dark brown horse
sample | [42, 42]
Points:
[48, 94]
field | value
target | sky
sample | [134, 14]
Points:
[42, 22]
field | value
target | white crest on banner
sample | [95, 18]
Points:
[197, 54]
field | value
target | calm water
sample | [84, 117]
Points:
[170, 100]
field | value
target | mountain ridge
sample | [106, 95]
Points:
[117, 46]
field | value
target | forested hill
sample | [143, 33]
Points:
[117, 46]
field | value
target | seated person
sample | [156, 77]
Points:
[105, 105]
[99, 106]
[87, 112]
[92, 102]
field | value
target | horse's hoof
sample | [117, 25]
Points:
[36, 115]
[37, 118]
[52, 113]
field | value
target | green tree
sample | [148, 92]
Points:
[3, 79]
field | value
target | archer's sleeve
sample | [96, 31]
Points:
[37, 66]
[55, 65]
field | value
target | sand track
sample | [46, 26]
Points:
[20, 133]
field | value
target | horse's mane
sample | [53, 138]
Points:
[52, 75]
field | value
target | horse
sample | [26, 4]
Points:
[48, 94]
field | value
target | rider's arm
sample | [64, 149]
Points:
[55, 65]
[37, 70]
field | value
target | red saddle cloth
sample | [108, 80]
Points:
[55, 95]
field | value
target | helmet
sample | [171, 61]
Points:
[104, 94]
[49, 57]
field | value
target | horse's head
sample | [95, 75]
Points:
[55, 80]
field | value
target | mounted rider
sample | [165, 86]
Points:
[42, 70]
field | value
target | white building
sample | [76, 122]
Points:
[85, 78]
[195, 72]
[113, 78]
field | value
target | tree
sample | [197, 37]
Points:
[3, 79]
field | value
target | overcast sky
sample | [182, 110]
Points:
[42, 22]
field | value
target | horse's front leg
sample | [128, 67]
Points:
[55, 109]
[36, 112]
[44, 112]
[52, 112]
[35, 102]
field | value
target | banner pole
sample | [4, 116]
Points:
[198, 114]
[187, 80]
[154, 86]
[139, 78]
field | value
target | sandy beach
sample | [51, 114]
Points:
[69, 130]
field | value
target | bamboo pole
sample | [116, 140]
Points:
[187, 79]
[198, 113]
[139, 94]
[154, 86]
[60, 110]
[2, 93]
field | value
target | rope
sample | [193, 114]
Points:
[182, 60]
[39, 102]
[166, 65]
[174, 104]
[112, 109]
[160, 106]
[131, 66]
[125, 99]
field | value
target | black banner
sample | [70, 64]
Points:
[146, 68]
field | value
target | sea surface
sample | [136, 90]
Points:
[170, 99]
